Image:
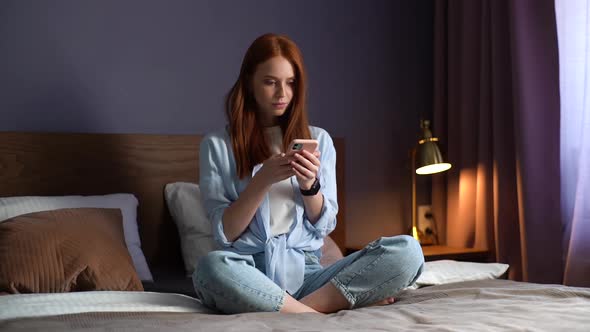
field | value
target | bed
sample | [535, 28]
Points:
[60, 164]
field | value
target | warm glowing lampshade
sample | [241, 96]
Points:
[428, 157]
[431, 169]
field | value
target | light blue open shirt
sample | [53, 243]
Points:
[284, 254]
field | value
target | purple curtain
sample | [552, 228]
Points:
[496, 111]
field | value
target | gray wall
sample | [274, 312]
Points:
[131, 66]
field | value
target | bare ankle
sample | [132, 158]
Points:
[327, 299]
[293, 306]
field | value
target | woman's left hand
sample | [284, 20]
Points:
[306, 166]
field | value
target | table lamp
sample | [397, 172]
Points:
[426, 159]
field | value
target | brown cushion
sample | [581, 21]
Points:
[65, 250]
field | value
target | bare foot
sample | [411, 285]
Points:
[328, 299]
[387, 301]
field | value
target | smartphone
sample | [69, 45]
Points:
[296, 145]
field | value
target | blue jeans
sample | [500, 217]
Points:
[231, 283]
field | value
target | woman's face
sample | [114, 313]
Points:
[273, 85]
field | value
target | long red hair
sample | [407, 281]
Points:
[249, 144]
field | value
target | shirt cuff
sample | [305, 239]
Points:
[326, 223]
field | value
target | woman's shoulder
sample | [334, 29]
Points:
[219, 134]
[215, 139]
[320, 134]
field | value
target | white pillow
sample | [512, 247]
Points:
[15, 206]
[194, 229]
[449, 271]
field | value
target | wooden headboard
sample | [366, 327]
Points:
[53, 164]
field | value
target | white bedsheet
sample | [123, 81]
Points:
[50, 304]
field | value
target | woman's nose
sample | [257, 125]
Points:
[280, 90]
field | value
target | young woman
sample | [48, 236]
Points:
[271, 210]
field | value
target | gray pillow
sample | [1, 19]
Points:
[194, 229]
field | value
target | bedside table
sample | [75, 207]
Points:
[437, 252]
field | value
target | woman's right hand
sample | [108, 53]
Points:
[275, 169]
[239, 214]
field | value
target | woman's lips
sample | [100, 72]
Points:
[279, 105]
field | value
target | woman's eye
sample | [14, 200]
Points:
[269, 82]
[291, 82]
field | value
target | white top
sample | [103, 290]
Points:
[281, 196]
